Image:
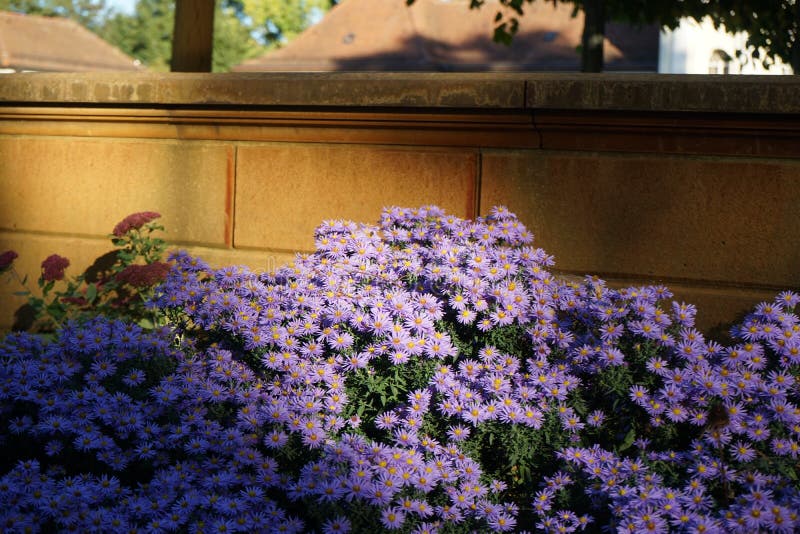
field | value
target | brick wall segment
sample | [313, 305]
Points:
[84, 186]
[705, 218]
[284, 191]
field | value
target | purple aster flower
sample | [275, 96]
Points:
[788, 299]
[338, 524]
[742, 451]
[595, 418]
[341, 341]
[502, 522]
[458, 432]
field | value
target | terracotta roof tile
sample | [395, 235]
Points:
[445, 35]
[31, 42]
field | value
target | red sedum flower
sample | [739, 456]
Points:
[53, 267]
[144, 275]
[7, 258]
[134, 221]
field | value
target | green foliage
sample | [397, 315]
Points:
[146, 34]
[385, 386]
[233, 40]
[242, 29]
[771, 25]
[88, 13]
[278, 21]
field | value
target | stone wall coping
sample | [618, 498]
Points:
[444, 91]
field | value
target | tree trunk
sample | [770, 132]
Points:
[192, 36]
[594, 29]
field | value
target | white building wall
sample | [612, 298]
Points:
[699, 48]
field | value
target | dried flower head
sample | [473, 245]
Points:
[75, 301]
[53, 267]
[7, 258]
[144, 275]
[134, 221]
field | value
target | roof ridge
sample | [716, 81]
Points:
[101, 41]
[55, 42]
[34, 16]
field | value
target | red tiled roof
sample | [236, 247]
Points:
[445, 35]
[31, 42]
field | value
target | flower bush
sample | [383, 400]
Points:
[425, 374]
[117, 285]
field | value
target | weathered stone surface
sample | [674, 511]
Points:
[660, 92]
[284, 191]
[85, 186]
[374, 126]
[684, 218]
[687, 134]
[642, 92]
[267, 89]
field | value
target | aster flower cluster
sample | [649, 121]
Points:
[358, 320]
[423, 374]
[110, 429]
[709, 435]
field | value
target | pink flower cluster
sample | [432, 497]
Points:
[134, 221]
[7, 258]
[144, 275]
[53, 267]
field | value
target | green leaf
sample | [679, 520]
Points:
[91, 292]
[56, 312]
[628, 441]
